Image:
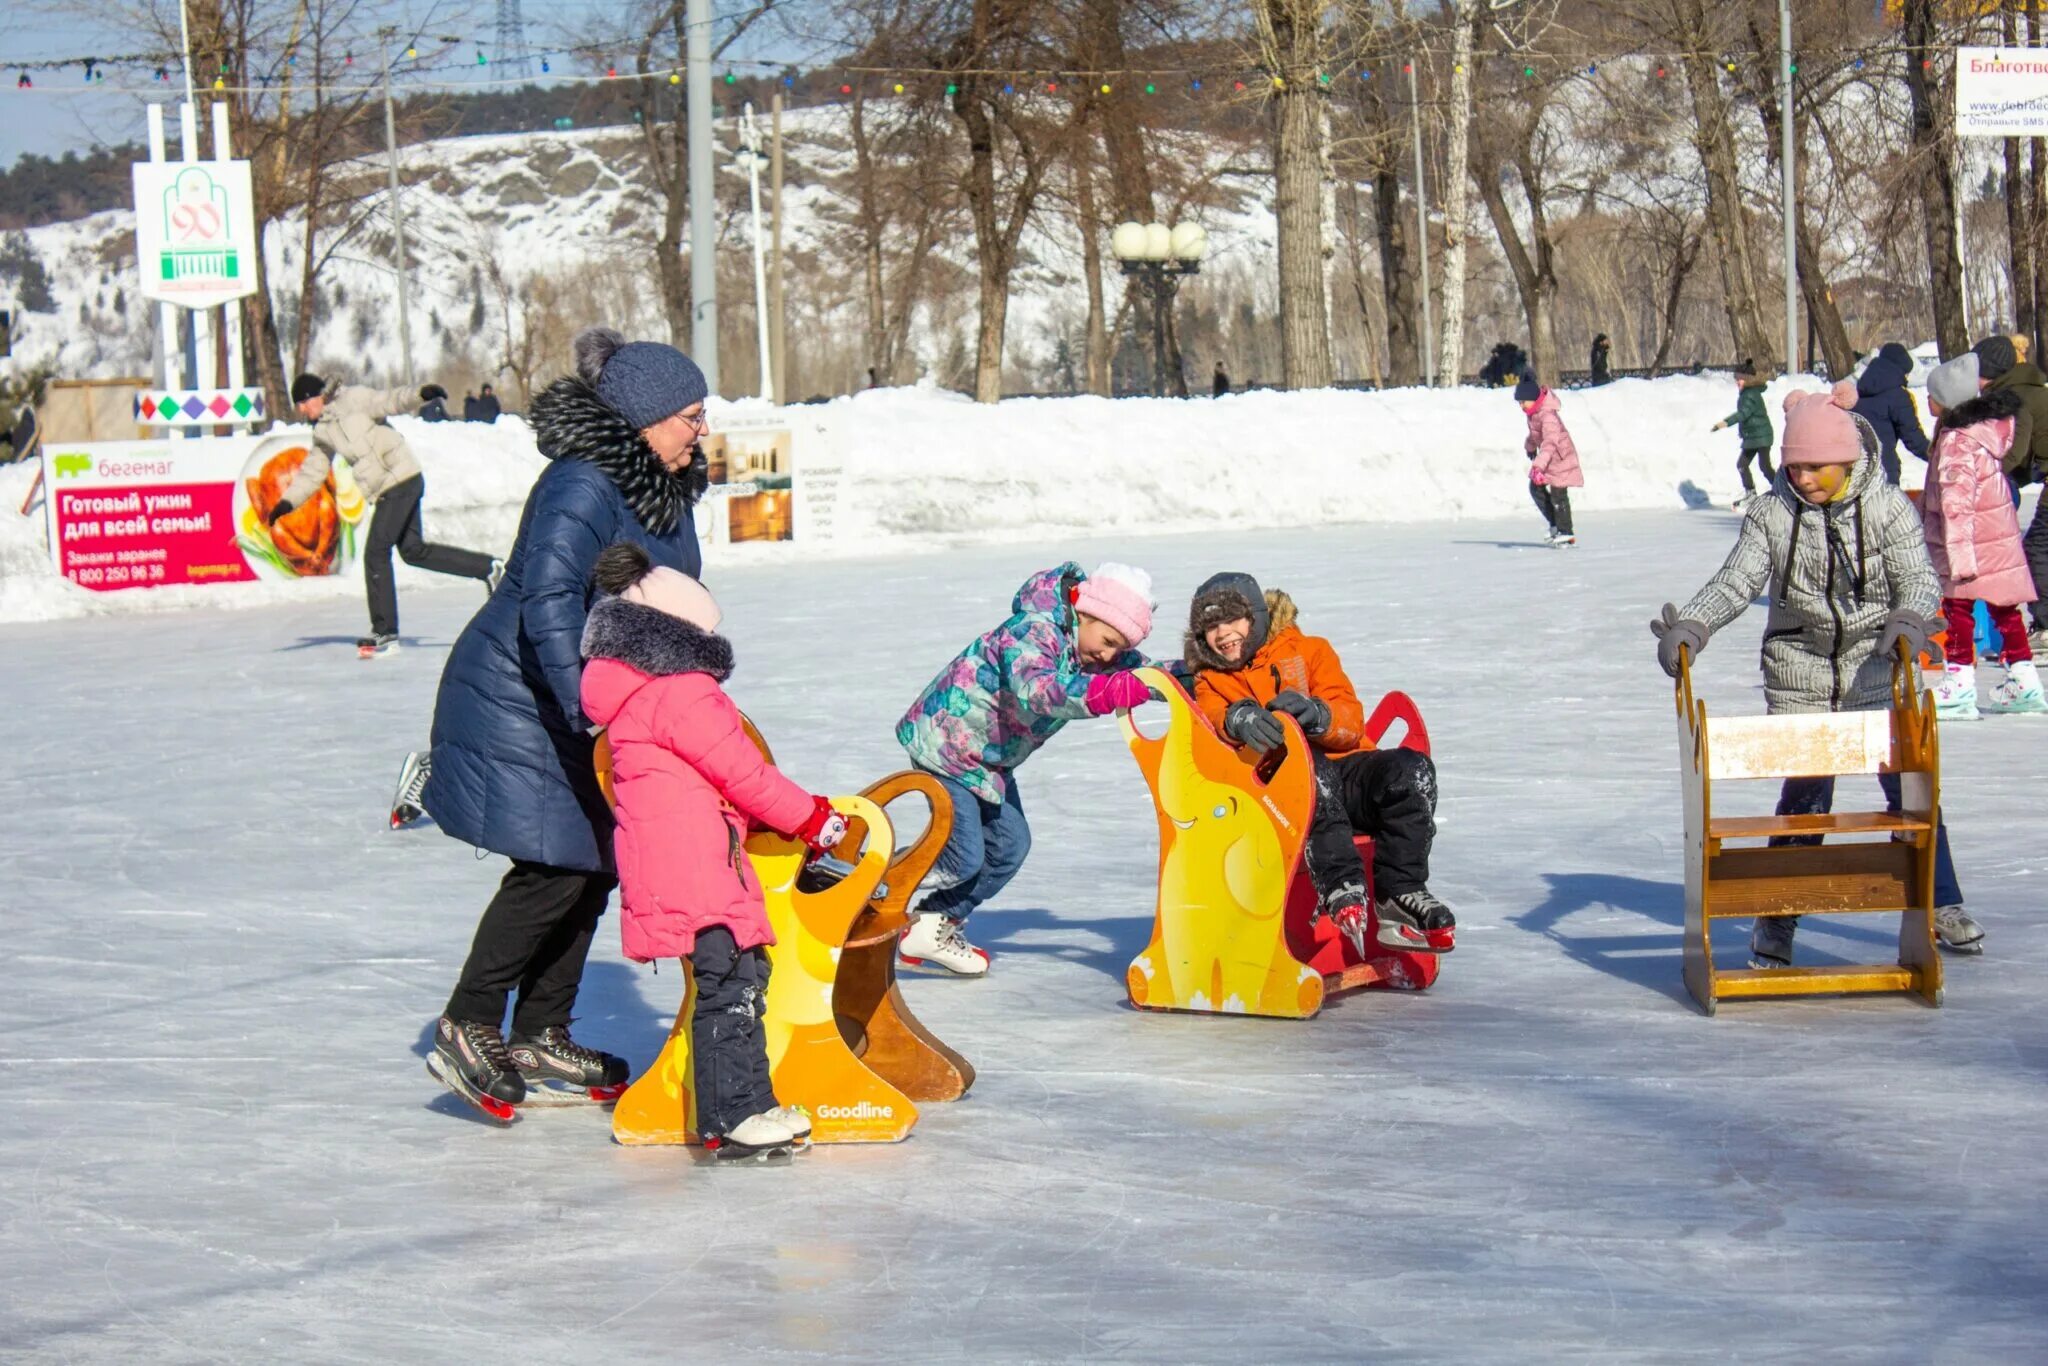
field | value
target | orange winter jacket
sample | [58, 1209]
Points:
[1287, 661]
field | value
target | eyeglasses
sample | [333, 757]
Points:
[701, 423]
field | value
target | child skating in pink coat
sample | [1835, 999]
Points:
[1553, 460]
[687, 781]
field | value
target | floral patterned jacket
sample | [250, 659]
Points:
[1007, 693]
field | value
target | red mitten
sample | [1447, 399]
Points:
[824, 828]
[1115, 692]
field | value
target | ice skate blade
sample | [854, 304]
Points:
[1422, 944]
[928, 967]
[559, 1095]
[724, 1151]
[502, 1112]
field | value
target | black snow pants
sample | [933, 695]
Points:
[396, 523]
[1761, 455]
[534, 937]
[1389, 794]
[728, 1042]
[1555, 504]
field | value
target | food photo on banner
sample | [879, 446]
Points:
[132, 514]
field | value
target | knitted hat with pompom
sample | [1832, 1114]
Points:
[1119, 595]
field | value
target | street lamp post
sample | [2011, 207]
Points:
[1158, 256]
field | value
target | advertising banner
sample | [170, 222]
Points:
[752, 458]
[195, 234]
[2001, 92]
[138, 514]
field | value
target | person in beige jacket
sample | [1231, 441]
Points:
[349, 421]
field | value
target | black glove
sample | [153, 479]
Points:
[1672, 634]
[1910, 627]
[1252, 725]
[1312, 712]
[281, 508]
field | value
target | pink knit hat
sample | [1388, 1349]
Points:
[679, 595]
[1819, 429]
[1121, 596]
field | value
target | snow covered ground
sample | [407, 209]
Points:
[221, 967]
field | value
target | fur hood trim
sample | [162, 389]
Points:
[570, 422]
[1227, 602]
[654, 642]
[1988, 406]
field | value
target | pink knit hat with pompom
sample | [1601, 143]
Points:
[1819, 429]
[1121, 596]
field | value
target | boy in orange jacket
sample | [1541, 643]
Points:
[1250, 660]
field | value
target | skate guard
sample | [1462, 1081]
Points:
[842, 1043]
[1234, 930]
[1730, 875]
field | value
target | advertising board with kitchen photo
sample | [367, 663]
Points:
[750, 469]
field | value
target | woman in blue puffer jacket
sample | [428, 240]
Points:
[512, 763]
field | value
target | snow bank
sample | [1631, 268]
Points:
[924, 469]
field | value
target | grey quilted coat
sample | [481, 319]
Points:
[1833, 573]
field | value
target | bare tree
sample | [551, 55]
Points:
[1930, 81]
[1292, 45]
[1467, 17]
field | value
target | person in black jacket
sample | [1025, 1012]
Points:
[1599, 365]
[487, 405]
[1882, 401]
[1219, 383]
[512, 768]
[433, 403]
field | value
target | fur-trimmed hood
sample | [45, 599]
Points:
[570, 422]
[1227, 597]
[1988, 406]
[654, 642]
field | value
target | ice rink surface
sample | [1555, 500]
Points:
[221, 967]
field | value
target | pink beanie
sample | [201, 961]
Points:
[1819, 429]
[1121, 596]
[677, 594]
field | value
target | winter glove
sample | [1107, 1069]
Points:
[1312, 712]
[1674, 634]
[1910, 627]
[282, 508]
[1539, 477]
[1252, 725]
[1717, 426]
[824, 828]
[1115, 692]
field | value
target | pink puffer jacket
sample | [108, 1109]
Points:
[1556, 458]
[686, 780]
[1973, 531]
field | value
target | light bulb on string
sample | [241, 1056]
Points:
[412, 52]
[1052, 87]
[952, 88]
[162, 75]
[1238, 85]
[1105, 87]
[1008, 88]
[544, 67]
[611, 71]
[482, 60]
[1195, 84]
[731, 79]
[24, 83]
[675, 78]
[789, 80]
[846, 90]
[898, 87]
[1151, 89]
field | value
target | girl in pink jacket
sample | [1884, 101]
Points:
[1973, 537]
[1553, 460]
[687, 782]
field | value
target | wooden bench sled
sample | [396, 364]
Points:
[1731, 875]
[842, 1043]
[1234, 929]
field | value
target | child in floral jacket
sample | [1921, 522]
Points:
[1065, 652]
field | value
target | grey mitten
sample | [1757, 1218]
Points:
[1674, 634]
[1312, 712]
[1910, 627]
[1252, 725]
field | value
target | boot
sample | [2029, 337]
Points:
[1955, 698]
[557, 1069]
[1770, 941]
[1346, 909]
[1957, 932]
[470, 1059]
[1405, 921]
[2020, 693]
[794, 1119]
[935, 940]
[755, 1136]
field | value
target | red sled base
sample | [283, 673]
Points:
[1319, 944]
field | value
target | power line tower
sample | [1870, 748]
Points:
[511, 59]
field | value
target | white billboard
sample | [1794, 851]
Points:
[195, 231]
[2002, 92]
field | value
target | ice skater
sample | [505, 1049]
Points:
[1841, 553]
[1973, 537]
[687, 780]
[1553, 459]
[1249, 661]
[1752, 422]
[1066, 651]
[349, 421]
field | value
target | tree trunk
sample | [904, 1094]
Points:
[1674, 294]
[309, 277]
[1096, 347]
[1450, 365]
[1404, 345]
[1368, 325]
[868, 212]
[1934, 173]
[977, 103]
[1824, 316]
[2019, 230]
[1715, 140]
[1297, 107]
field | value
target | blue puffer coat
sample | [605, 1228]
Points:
[1882, 401]
[512, 770]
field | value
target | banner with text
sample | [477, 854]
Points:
[134, 514]
[2001, 92]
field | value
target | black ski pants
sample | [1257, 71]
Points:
[728, 1042]
[1389, 794]
[533, 938]
[2035, 543]
[1762, 456]
[396, 524]
[1555, 504]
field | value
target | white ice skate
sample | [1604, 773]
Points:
[1955, 697]
[933, 940]
[1957, 932]
[796, 1120]
[2019, 694]
[757, 1136]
